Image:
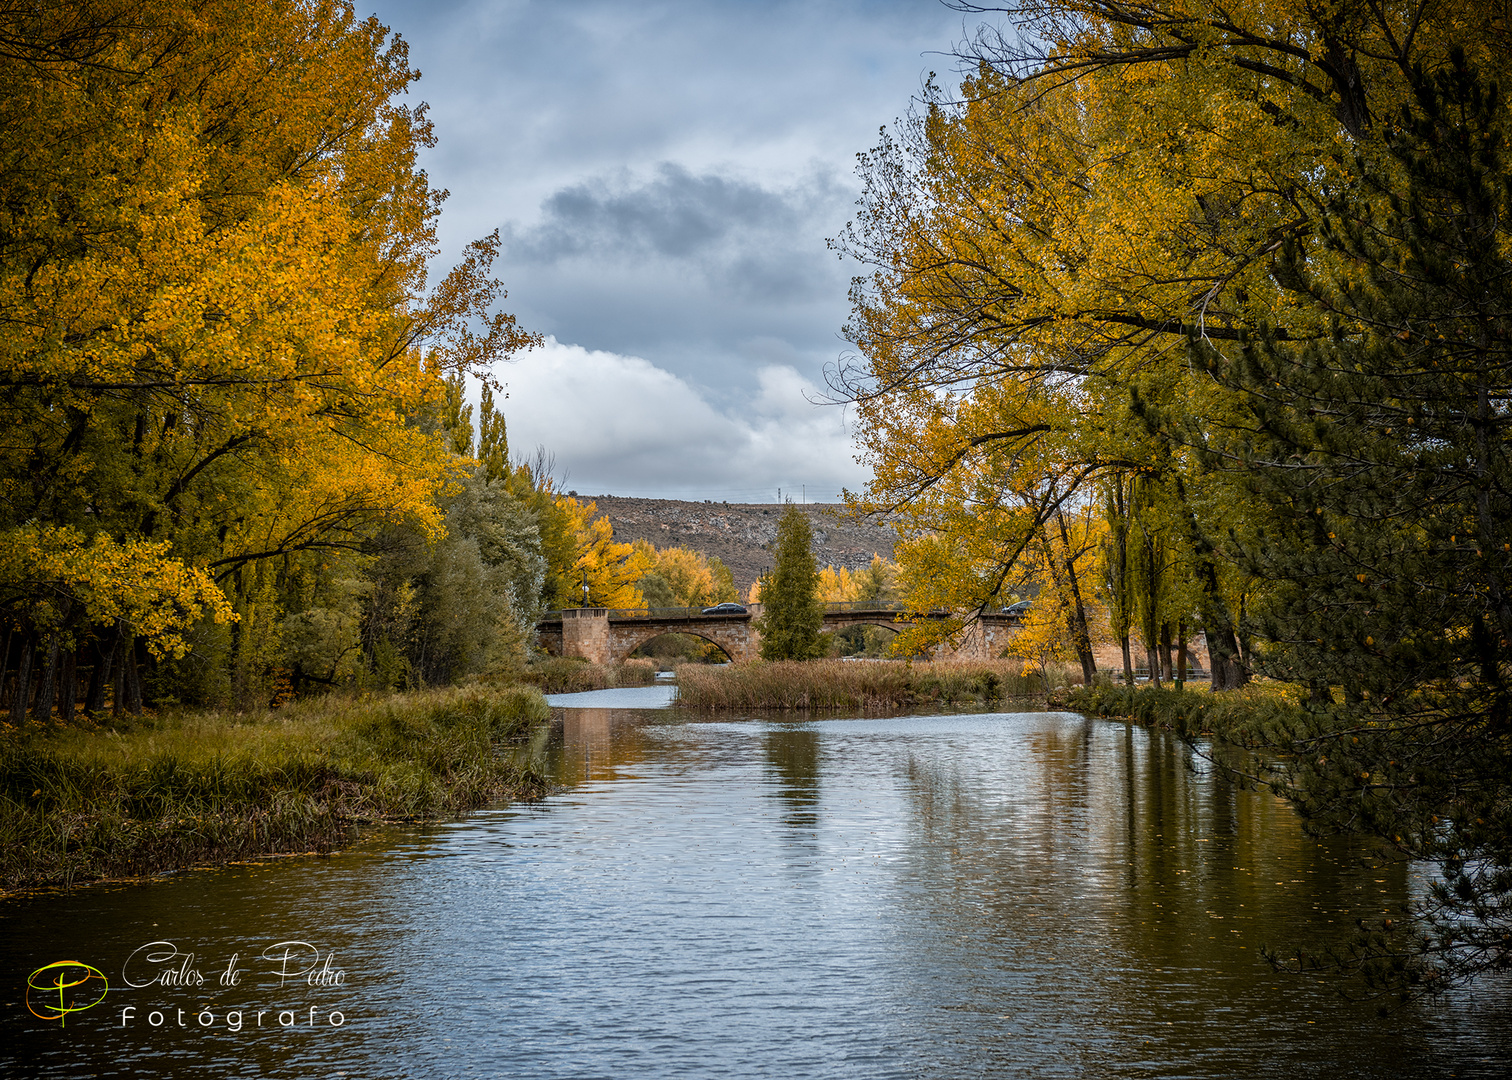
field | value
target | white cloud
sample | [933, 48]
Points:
[620, 425]
[664, 175]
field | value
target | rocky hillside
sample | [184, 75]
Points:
[741, 534]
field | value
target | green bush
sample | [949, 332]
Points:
[635, 673]
[1239, 716]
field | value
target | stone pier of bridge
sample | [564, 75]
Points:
[605, 636]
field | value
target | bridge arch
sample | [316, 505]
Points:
[632, 647]
[891, 625]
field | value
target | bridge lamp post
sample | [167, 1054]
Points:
[585, 587]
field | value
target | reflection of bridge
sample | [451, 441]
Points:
[609, 635]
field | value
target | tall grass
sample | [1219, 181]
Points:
[569, 675]
[839, 684]
[210, 787]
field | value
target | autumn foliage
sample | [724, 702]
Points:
[1198, 314]
[220, 355]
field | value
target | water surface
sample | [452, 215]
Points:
[1005, 895]
[623, 697]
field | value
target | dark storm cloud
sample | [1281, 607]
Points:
[732, 232]
[666, 172]
[676, 214]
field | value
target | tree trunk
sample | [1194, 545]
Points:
[118, 690]
[99, 676]
[1150, 607]
[10, 633]
[1228, 672]
[133, 677]
[43, 709]
[1181, 652]
[1165, 651]
[1217, 623]
[1153, 661]
[68, 687]
[1081, 638]
[1242, 637]
[23, 683]
[1119, 586]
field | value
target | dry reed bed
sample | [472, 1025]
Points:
[841, 684]
[569, 675]
[78, 805]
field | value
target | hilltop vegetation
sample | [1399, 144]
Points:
[741, 535]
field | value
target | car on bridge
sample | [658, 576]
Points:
[726, 608]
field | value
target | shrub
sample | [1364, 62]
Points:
[572, 675]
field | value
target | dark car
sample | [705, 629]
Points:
[1020, 609]
[725, 609]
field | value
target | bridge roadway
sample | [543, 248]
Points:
[610, 635]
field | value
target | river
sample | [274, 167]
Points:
[999, 894]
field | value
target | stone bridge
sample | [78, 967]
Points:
[610, 635]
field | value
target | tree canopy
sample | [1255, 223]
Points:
[219, 348]
[1235, 281]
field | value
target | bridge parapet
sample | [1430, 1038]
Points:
[609, 635]
[844, 607]
[647, 613]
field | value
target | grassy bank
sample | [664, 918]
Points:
[839, 684]
[176, 791]
[1242, 716]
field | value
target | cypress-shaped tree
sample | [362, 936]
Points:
[493, 439]
[792, 616]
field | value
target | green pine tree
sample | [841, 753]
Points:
[1378, 466]
[792, 616]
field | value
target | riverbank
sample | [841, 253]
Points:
[849, 684]
[181, 790]
[1242, 716]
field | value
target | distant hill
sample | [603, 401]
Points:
[741, 534]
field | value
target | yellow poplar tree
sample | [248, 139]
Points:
[1112, 182]
[611, 570]
[213, 286]
[689, 578]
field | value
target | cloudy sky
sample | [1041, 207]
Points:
[664, 175]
